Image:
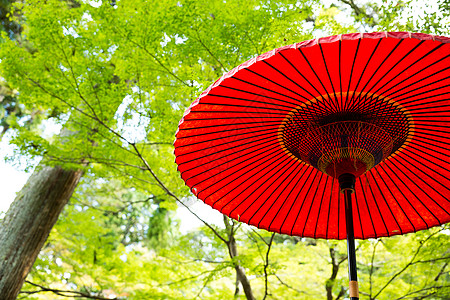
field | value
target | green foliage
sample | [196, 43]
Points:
[117, 78]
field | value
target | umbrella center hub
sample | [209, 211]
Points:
[337, 138]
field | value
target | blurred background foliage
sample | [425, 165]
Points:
[107, 82]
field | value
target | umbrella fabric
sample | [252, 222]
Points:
[254, 144]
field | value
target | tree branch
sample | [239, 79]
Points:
[210, 53]
[266, 264]
[288, 286]
[168, 192]
[410, 263]
[371, 268]
[64, 293]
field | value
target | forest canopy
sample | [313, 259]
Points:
[111, 80]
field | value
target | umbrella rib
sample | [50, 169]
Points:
[347, 102]
[404, 70]
[340, 73]
[426, 131]
[367, 206]
[388, 123]
[227, 130]
[400, 190]
[412, 103]
[355, 101]
[329, 209]
[270, 155]
[422, 114]
[295, 172]
[376, 204]
[385, 201]
[234, 112]
[267, 89]
[418, 115]
[288, 78]
[359, 216]
[303, 203]
[395, 66]
[288, 197]
[275, 130]
[329, 78]
[217, 125]
[439, 221]
[379, 66]
[434, 171]
[288, 108]
[312, 170]
[274, 147]
[301, 74]
[425, 153]
[418, 131]
[395, 199]
[321, 83]
[221, 208]
[409, 91]
[286, 163]
[418, 138]
[228, 148]
[254, 94]
[232, 118]
[426, 183]
[320, 206]
[273, 191]
[414, 195]
[278, 84]
[322, 175]
[430, 125]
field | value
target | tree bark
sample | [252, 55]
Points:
[28, 223]
[240, 272]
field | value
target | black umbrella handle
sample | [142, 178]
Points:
[347, 186]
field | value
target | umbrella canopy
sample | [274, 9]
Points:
[267, 142]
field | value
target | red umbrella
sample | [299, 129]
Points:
[282, 141]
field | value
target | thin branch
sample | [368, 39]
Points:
[77, 86]
[159, 143]
[341, 293]
[430, 260]
[114, 212]
[266, 264]
[355, 8]
[260, 236]
[210, 53]
[422, 243]
[208, 279]
[155, 58]
[423, 290]
[441, 272]
[194, 260]
[63, 293]
[194, 277]
[371, 267]
[168, 192]
[288, 286]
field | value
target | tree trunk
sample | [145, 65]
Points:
[240, 272]
[29, 221]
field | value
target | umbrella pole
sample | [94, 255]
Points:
[347, 186]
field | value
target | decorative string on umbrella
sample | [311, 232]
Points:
[284, 140]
